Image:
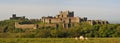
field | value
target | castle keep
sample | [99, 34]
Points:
[14, 17]
[63, 17]
[66, 18]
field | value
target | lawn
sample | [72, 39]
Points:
[58, 40]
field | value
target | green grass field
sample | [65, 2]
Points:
[58, 40]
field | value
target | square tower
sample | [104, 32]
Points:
[65, 14]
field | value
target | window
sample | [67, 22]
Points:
[49, 20]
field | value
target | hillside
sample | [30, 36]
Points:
[8, 30]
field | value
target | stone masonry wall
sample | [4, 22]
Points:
[26, 26]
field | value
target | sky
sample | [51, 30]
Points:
[92, 9]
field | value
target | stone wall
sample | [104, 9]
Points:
[25, 26]
[33, 26]
[74, 20]
[62, 20]
[48, 25]
[93, 22]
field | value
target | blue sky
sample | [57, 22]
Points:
[93, 9]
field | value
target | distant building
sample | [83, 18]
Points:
[14, 17]
[66, 18]
[63, 17]
[93, 22]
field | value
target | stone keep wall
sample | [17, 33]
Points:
[55, 20]
[62, 20]
[75, 20]
[47, 20]
[25, 26]
[33, 26]
[93, 22]
[46, 25]
[64, 17]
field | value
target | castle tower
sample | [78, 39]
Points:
[14, 15]
[64, 14]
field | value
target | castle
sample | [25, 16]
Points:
[14, 17]
[66, 18]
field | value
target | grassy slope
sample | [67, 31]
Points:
[58, 40]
